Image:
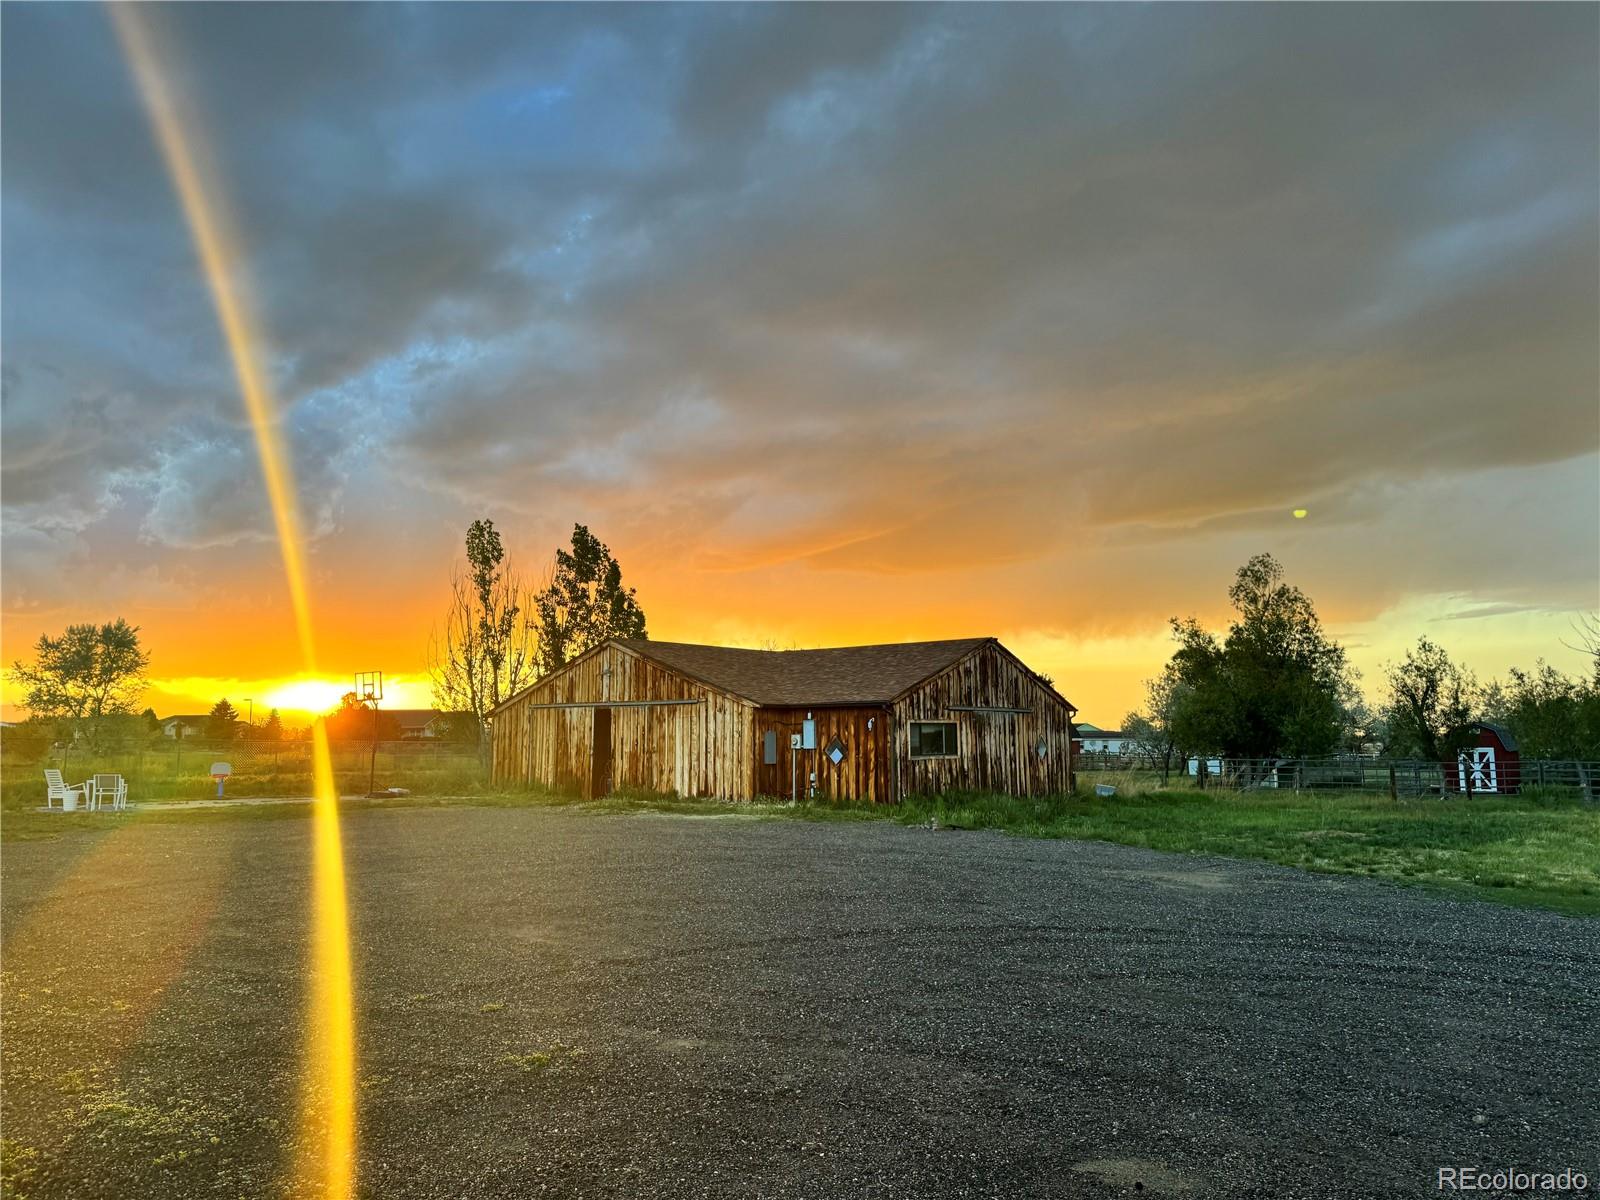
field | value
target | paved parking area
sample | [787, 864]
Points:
[562, 1004]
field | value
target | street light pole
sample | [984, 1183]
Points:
[250, 721]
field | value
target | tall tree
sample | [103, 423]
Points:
[85, 678]
[272, 728]
[488, 649]
[1275, 685]
[585, 603]
[222, 722]
[1430, 699]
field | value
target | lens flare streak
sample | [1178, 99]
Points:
[328, 1115]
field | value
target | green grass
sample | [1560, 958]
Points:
[1540, 849]
[1536, 850]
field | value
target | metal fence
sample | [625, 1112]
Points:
[180, 769]
[1355, 772]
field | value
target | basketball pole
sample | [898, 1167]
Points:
[369, 687]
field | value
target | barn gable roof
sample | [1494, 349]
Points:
[842, 675]
[796, 678]
[1507, 738]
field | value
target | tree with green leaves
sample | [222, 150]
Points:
[1151, 730]
[272, 728]
[585, 603]
[1430, 701]
[1275, 685]
[85, 678]
[222, 722]
[1551, 714]
[488, 648]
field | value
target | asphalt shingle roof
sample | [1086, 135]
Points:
[843, 675]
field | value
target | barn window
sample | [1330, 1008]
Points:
[835, 751]
[933, 739]
[1041, 748]
[769, 747]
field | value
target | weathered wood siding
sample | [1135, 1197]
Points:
[863, 773]
[699, 749]
[998, 751]
[714, 746]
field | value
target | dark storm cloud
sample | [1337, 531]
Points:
[806, 276]
[748, 59]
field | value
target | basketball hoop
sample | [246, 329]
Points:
[220, 772]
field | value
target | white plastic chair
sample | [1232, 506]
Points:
[104, 788]
[57, 789]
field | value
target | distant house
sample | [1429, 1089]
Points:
[1094, 740]
[419, 723]
[184, 726]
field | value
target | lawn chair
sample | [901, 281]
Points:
[108, 789]
[57, 789]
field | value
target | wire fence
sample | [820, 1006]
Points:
[1471, 774]
[182, 769]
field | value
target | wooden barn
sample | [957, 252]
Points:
[872, 723]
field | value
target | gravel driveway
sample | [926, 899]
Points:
[559, 1004]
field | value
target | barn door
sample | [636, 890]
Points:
[1477, 765]
[600, 773]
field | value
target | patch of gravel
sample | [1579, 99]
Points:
[559, 1004]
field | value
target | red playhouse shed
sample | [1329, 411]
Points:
[1489, 763]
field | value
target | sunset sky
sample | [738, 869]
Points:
[838, 324]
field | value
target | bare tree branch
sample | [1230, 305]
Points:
[487, 647]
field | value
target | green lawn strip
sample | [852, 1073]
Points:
[1534, 852]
